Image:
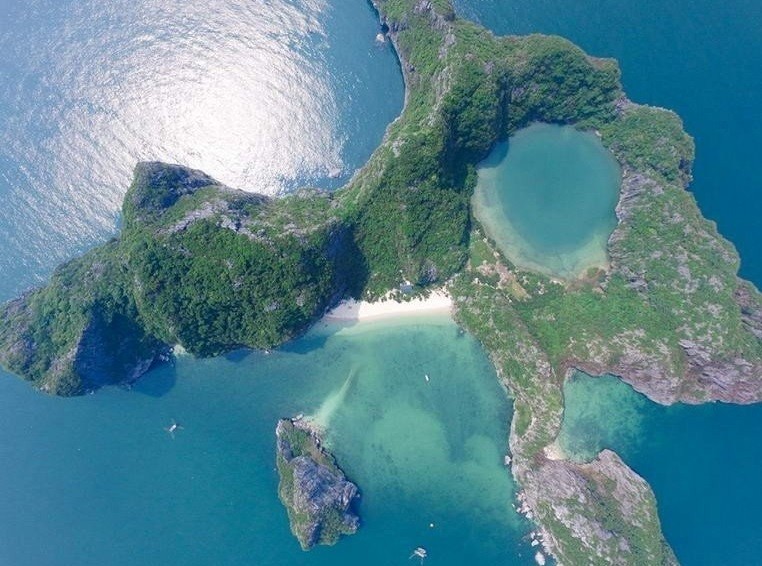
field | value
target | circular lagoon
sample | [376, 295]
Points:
[547, 198]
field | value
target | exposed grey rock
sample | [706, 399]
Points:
[601, 506]
[315, 491]
[751, 312]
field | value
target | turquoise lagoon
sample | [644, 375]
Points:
[96, 479]
[703, 462]
[700, 58]
[547, 198]
[264, 96]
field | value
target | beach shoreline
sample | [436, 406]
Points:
[437, 302]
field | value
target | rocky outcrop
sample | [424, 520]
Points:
[747, 298]
[729, 380]
[599, 512]
[80, 332]
[197, 264]
[677, 262]
[213, 269]
[316, 493]
[114, 349]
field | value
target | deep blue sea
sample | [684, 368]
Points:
[269, 95]
[262, 95]
[265, 96]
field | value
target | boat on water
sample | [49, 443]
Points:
[420, 552]
[172, 428]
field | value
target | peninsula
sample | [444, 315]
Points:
[212, 268]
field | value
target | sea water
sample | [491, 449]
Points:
[97, 480]
[703, 462]
[700, 58]
[263, 96]
[547, 198]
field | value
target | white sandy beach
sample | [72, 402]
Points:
[438, 302]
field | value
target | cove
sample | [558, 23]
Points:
[263, 96]
[703, 463]
[547, 198]
[96, 480]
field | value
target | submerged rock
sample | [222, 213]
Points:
[314, 490]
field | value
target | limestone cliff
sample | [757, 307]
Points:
[316, 493]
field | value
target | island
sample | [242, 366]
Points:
[316, 493]
[211, 268]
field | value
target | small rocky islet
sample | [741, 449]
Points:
[317, 495]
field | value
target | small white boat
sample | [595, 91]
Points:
[420, 552]
[172, 428]
[426, 377]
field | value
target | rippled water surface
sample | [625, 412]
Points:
[267, 95]
[262, 95]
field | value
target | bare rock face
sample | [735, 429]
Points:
[316, 493]
[599, 512]
[746, 297]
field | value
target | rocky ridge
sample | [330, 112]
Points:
[316, 493]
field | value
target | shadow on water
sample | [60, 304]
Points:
[163, 377]
[237, 356]
[315, 338]
[158, 381]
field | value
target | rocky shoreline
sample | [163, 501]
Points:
[317, 495]
[591, 502]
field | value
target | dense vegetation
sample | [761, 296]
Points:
[669, 315]
[197, 264]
